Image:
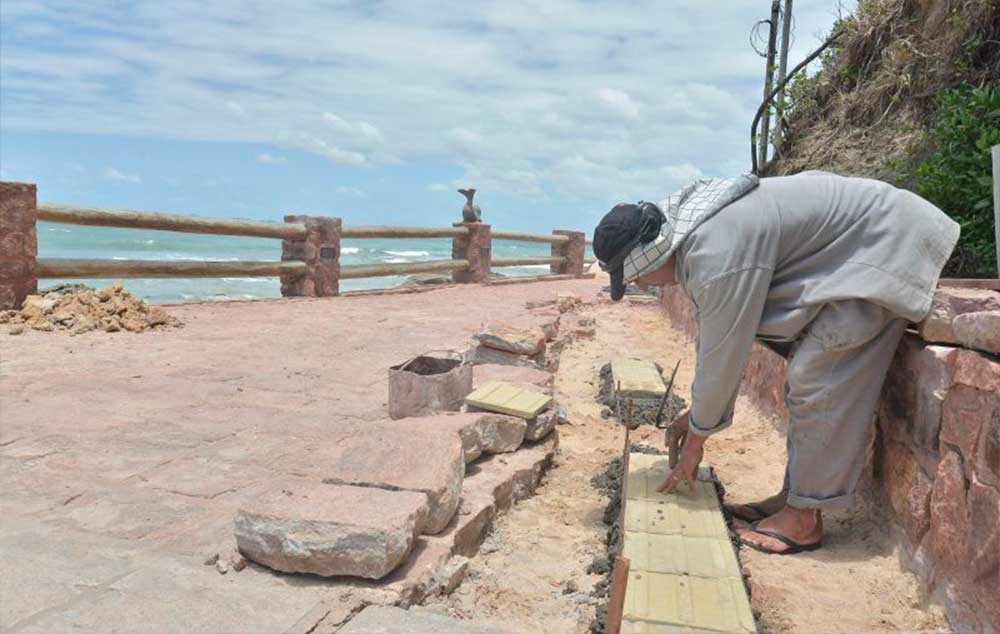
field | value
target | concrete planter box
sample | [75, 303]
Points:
[428, 384]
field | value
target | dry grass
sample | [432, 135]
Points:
[868, 108]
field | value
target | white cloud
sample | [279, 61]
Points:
[619, 101]
[114, 174]
[589, 100]
[264, 157]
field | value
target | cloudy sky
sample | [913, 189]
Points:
[377, 110]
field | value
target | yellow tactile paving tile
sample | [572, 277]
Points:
[657, 603]
[676, 515]
[681, 554]
[646, 472]
[497, 396]
[633, 377]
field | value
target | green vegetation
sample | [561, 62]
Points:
[956, 174]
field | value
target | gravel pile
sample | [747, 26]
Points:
[78, 308]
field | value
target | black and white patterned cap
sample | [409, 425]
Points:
[684, 210]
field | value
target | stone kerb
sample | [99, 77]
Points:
[18, 243]
[477, 248]
[320, 250]
[573, 252]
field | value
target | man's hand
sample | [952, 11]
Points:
[691, 455]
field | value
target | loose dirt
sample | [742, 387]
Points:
[531, 575]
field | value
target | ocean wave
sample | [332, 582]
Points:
[350, 250]
[408, 254]
[396, 261]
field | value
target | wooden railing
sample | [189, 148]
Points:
[310, 261]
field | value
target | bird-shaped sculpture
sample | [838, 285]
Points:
[471, 211]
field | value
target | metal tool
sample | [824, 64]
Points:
[672, 439]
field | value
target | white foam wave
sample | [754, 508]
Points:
[408, 254]
[396, 261]
[349, 250]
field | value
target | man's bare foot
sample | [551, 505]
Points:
[756, 511]
[788, 531]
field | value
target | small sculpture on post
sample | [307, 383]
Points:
[471, 211]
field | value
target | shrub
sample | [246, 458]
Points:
[956, 173]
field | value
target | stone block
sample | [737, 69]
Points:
[392, 620]
[966, 410]
[572, 252]
[949, 514]
[476, 247]
[907, 488]
[521, 375]
[975, 370]
[300, 525]
[542, 425]
[548, 321]
[979, 331]
[987, 460]
[984, 534]
[389, 456]
[914, 393]
[948, 303]
[484, 355]
[501, 433]
[466, 425]
[527, 341]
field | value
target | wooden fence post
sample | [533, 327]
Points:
[18, 243]
[573, 251]
[476, 247]
[320, 251]
[996, 202]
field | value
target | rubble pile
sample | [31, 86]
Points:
[79, 308]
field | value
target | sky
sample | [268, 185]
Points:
[377, 111]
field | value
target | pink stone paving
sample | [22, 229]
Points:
[124, 456]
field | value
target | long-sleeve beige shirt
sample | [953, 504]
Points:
[766, 264]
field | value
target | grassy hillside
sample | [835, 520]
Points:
[910, 93]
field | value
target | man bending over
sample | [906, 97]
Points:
[827, 268]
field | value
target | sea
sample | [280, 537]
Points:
[76, 241]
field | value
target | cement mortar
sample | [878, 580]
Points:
[643, 410]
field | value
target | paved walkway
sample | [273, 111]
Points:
[124, 456]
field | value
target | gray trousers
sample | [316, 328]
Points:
[835, 375]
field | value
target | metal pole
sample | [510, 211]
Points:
[768, 79]
[996, 202]
[786, 29]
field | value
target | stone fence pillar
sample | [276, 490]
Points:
[18, 243]
[477, 248]
[573, 251]
[320, 250]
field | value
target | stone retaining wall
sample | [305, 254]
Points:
[935, 466]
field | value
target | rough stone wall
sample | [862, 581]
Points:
[935, 469]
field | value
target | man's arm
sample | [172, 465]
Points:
[729, 312]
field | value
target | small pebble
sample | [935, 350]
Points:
[16, 329]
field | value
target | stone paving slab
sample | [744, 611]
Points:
[329, 529]
[97, 430]
[389, 455]
[393, 620]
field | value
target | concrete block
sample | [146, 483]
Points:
[329, 530]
